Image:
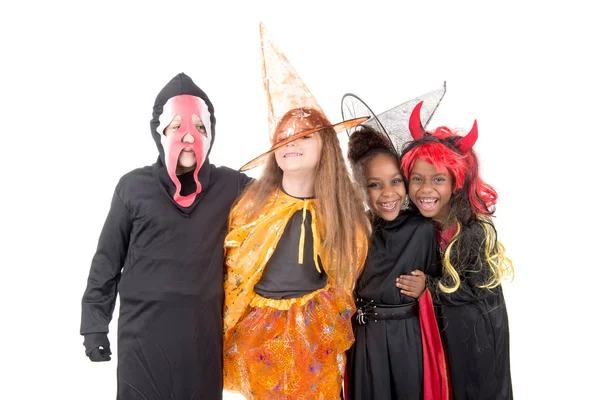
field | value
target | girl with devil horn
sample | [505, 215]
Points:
[445, 185]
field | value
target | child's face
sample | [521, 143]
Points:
[385, 187]
[187, 157]
[430, 190]
[300, 155]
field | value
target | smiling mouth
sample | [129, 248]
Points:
[427, 203]
[389, 206]
[292, 155]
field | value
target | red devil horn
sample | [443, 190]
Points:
[466, 142]
[414, 124]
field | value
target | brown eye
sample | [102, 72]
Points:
[201, 129]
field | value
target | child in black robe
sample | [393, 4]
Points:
[161, 251]
[397, 352]
[444, 184]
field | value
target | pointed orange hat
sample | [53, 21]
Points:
[293, 110]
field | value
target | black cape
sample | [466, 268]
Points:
[166, 264]
[386, 360]
[475, 333]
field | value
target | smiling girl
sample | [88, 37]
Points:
[394, 335]
[296, 243]
[444, 184]
[293, 252]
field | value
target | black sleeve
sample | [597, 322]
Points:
[433, 265]
[467, 292]
[101, 292]
[473, 270]
[244, 181]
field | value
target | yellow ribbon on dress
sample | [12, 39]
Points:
[315, 239]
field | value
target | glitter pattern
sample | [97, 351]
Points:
[281, 349]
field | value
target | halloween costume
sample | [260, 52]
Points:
[287, 321]
[160, 250]
[398, 351]
[474, 320]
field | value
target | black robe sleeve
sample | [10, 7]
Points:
[473, 271]
[433, 267]
[467, 292]
[244, 181]
[101, 292]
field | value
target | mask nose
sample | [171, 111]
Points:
[187, 138]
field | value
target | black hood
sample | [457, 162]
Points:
[181, 84]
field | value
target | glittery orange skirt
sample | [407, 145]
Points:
[290, 349]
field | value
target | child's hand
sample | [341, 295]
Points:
[412, 285]
[100, 354]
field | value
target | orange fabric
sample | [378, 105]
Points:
[297, 353]
[248, 247]
[282, 348]
[250, 244]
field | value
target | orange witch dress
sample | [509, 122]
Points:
[290, 348]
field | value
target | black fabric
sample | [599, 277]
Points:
[188, 186]
[386, 360]
[284, 277]
[99, 354]
[166, 264]
[377, 312]
[97, 346]
[475, 332]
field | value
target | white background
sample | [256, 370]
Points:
[78, 81]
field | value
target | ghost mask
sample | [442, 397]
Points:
[186, 107]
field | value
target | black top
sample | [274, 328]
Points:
[397, 247]
[284, 277]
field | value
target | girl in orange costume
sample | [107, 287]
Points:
[297, 240]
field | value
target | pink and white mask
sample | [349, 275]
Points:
[189, 137]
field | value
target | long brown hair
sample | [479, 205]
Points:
[342, 220]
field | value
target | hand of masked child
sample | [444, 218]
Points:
[97, 347]
[412, 285]
[99, 354]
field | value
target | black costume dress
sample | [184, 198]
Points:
[166, 263]
[386, 360]
[474, 328]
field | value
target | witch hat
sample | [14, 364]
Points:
[290, 103]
